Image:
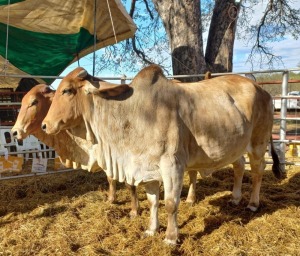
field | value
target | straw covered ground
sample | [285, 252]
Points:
[67, 214]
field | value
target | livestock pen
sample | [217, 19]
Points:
[67, 213]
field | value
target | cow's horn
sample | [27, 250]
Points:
[82, 74]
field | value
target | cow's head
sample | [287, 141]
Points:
[35, 105]
[72, 98]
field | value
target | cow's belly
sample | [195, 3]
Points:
[212, 164]
[217, 154]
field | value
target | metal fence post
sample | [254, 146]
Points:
[123, 79]
[283, 113]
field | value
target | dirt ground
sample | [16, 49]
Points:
[67, 214]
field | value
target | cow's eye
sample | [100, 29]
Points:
[67, 91]
[34, 102]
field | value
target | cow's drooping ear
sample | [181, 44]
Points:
[106, 89]
[112, 90]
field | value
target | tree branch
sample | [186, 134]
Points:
[131, 12]
[262, 23]
[141, 54]
[132, 8]
[278, 20]
[148, 9]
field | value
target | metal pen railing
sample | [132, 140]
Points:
[283, 110]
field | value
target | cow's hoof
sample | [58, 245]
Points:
[111, 200]
[252, 208]
[133, 214]
[149, 233]
[235, 201]
[170, 242]
[190, 201]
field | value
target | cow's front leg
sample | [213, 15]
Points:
[191, 198]
[134, 201]
[111, 190]
[152, 190]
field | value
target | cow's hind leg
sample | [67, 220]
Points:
[257, 163]
[239, 169]
[191, 198]
[152, 190]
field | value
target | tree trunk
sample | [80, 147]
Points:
[182, 21]
[220, 42]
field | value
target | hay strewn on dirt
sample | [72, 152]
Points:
[66, 214]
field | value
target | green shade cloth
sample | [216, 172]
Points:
[46, 36]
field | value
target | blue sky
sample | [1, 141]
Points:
[288, 49]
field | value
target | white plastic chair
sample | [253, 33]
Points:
[6, 138]
[48, 154]
[3, 150]
[30, 143]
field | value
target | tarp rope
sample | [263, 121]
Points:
[115, 35]
[112, 22]
[95, 32]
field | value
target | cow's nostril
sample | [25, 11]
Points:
[44, 127]
[15, 133]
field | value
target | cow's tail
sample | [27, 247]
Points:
[276, 168]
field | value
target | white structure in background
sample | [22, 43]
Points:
[30, 145]
[292, 103]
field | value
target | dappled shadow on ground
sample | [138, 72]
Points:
[274, 195]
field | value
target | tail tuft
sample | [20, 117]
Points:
[276, 168]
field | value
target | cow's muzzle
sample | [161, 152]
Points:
[44, 127]
[49, 128]
[18, 134]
